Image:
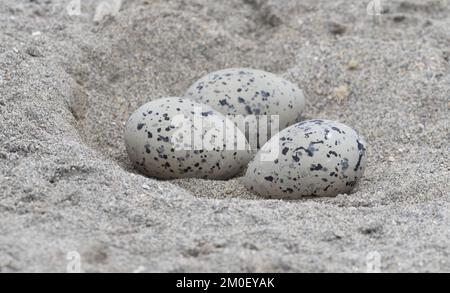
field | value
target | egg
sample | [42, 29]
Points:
[178, 138]
[310, 158]
[249, 93]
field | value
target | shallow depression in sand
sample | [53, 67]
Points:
[130, 64]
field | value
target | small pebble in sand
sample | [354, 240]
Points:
[34, 52]
[352, 64]
[179, 138]
[244, 91]
[342, 92]
[310, 158]
[336, 28]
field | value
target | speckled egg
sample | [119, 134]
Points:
[310, 158]
[178, 138]
[244, 91]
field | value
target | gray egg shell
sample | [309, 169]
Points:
[244, 91]
[164, 140]
[310, 158]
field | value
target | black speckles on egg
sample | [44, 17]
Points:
[336, 129]
[253, 93]
[163, 138]
[207, 113]
[332, 153]
[165, 149]
[315, 167]
[362, 153]
[296, 157]
[223, 102]
[309, 165]
[265, 94]
[344, 164]
[147, 148]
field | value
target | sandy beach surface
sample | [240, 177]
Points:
[68, 85]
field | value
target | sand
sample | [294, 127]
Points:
[67, 85]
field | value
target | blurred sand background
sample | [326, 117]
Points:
[67, 85]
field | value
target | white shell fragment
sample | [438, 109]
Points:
[176, 138]
[310, 158]
[244, 91]
[107, 8]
